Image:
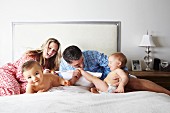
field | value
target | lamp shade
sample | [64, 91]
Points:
[146, 41]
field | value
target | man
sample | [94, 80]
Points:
[95, 61]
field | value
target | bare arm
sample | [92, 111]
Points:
[76, 75]
[58, 81]
[29, 89]
[122, 81]
[64, 82]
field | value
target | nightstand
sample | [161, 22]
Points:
[159, 77]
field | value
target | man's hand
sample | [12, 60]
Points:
[75, 77]
[77, 73]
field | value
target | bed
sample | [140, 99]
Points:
[77, 99]
[30, 35]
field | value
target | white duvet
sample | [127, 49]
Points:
[77, 99]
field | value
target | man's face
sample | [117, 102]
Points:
[78, 63]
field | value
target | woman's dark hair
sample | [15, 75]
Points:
[72, 53]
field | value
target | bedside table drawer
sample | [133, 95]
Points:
[161, 78]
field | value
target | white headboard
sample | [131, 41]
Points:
[103, 36]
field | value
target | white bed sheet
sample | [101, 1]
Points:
[77, 99]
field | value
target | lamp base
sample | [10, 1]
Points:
[148, 69]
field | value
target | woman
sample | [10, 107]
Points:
[12, 81]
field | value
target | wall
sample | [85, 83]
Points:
[137, 16]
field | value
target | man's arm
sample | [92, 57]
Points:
[64, 66]
[102, 60]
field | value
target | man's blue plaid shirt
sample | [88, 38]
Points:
[94, 61]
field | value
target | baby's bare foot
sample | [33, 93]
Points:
[93, 90]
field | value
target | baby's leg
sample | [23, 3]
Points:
[99, 84]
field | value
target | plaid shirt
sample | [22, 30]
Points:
[93, 62]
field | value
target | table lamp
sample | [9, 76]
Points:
[147, 42]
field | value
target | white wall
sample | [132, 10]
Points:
[137, 16]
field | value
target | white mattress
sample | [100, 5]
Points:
[77, 99]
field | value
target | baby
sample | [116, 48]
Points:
[117, 62]
[39, 82]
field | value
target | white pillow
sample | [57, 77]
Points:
[82, 81]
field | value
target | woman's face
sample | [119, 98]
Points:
[50, 50]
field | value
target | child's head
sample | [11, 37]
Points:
[117, 60]
[32, 71]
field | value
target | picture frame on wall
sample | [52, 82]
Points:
[136, 65]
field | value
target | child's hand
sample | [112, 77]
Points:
[120, 89]
[116, 84]
[116, 77]
[40, 91]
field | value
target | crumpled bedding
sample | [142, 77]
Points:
[77, 99]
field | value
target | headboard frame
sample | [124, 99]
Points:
[103, 36]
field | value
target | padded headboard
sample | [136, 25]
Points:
[103, 36]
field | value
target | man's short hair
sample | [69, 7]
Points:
[72, 53]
